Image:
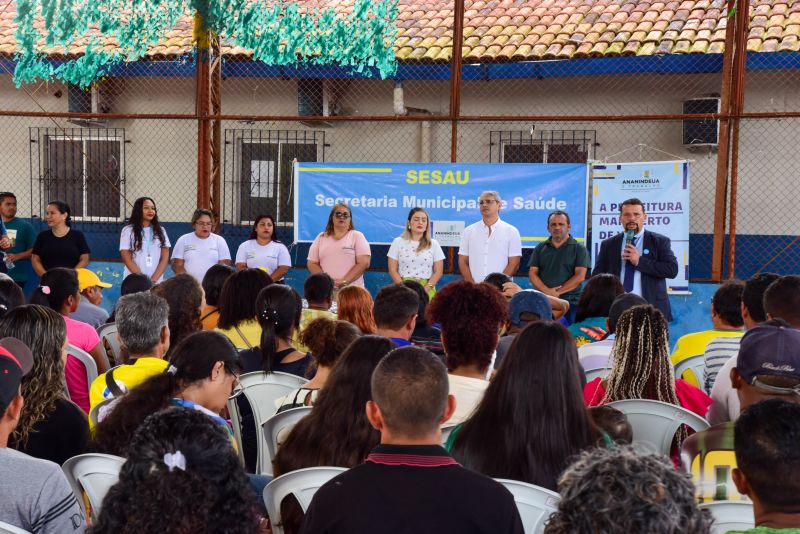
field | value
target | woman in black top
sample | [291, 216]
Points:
[60, 246]
[278, 309]
[51, 427]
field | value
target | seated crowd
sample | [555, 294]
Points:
[428, 404]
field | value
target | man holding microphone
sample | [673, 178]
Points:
[643, 260]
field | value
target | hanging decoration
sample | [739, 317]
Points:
[277, 32]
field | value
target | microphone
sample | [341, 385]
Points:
[629, 234]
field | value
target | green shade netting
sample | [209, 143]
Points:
[278, 33]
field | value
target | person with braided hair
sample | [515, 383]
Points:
[181, 475]
[642, 369]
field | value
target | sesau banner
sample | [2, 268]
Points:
[663, 187]
[380, 195]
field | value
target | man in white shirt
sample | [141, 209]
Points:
[489, 245]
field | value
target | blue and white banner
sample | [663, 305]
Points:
[663, 187]
[380, 196]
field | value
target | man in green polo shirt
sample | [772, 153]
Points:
[21, 237]
[558, 266]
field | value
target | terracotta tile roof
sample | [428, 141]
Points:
[516, 30]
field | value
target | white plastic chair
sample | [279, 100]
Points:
[654, 422]
[261, 390]
[696, 364]
[7, 528]
[86, 359]
[303, 484]
[730, 515]
[108, 333]
[534, 503]
[272, 427]
[597, 372]
[93, 474]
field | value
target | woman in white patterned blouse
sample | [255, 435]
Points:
[415, 256]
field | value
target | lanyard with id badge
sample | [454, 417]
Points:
[147, 243]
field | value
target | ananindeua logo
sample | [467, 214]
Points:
[645, 182]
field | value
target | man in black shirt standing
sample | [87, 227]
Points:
[409, 483]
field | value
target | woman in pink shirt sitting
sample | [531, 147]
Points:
[642, 369]
[60, 291]
[341, 251]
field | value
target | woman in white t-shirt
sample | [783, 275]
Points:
[143, 244]
[415, 256]
[262, 251]
[196, 252]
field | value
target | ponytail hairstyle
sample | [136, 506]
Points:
[192, 361]
[55, 287]
[137, 216]
[278, 309]
[181, 475]
[62, 207]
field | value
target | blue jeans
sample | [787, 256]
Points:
[258, 483]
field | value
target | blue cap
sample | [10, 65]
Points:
[529, 301]
[769, 350]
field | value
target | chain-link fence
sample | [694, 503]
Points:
[612, 90]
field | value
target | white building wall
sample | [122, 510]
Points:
[161, 155]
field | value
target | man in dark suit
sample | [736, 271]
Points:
[645, 263]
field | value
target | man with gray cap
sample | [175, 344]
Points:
[768, 366]
[35, 493]
[524, 308]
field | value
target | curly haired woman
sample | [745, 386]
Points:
[471, 316]
[51, 427]
[181, 475]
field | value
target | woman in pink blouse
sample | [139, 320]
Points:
[340, 251]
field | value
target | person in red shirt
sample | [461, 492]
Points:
[642, 369]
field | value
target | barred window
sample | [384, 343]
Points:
[259, 172]
[84, 167]
[542, 146]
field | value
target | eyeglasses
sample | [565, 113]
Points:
[341, 214]
[487, 201]
[204, 224]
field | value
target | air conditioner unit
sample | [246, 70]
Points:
[313, 100]
[703, 132]
[93, 100]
